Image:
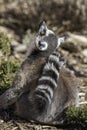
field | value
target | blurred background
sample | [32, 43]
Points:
[61, 15]
[19, 20]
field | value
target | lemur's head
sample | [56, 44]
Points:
[46, 40]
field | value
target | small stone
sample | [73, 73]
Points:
[71, 47]
[86, 96]
[1, 54]
[1, 121]
[85, 60]
[84, 52]
[73, 62]
[82, 99]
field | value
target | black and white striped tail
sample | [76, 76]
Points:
[48, 80]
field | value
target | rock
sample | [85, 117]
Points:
[71, 47]
[86, 96]
[1, 121]
[85, 60]
[1, 53]
[84, 52]
[20, 48]
[74, 43]
[79, 39]
[73, 62]
[9, 32]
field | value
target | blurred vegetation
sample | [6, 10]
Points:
[76, 118]
[8, 66]
[5, 44]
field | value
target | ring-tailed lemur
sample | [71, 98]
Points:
[55, 90]
[45, 43]
[42, 87]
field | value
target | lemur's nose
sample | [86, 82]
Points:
[39, 43]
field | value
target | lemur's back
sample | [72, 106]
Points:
[55, 90]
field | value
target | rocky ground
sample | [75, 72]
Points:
[74, 50]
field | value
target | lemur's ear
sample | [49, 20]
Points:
[62, 39]
[42, 23]
[42, 28]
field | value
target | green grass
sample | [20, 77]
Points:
[76, 118]
[8, 66]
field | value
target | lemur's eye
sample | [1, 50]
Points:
[42, 33]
